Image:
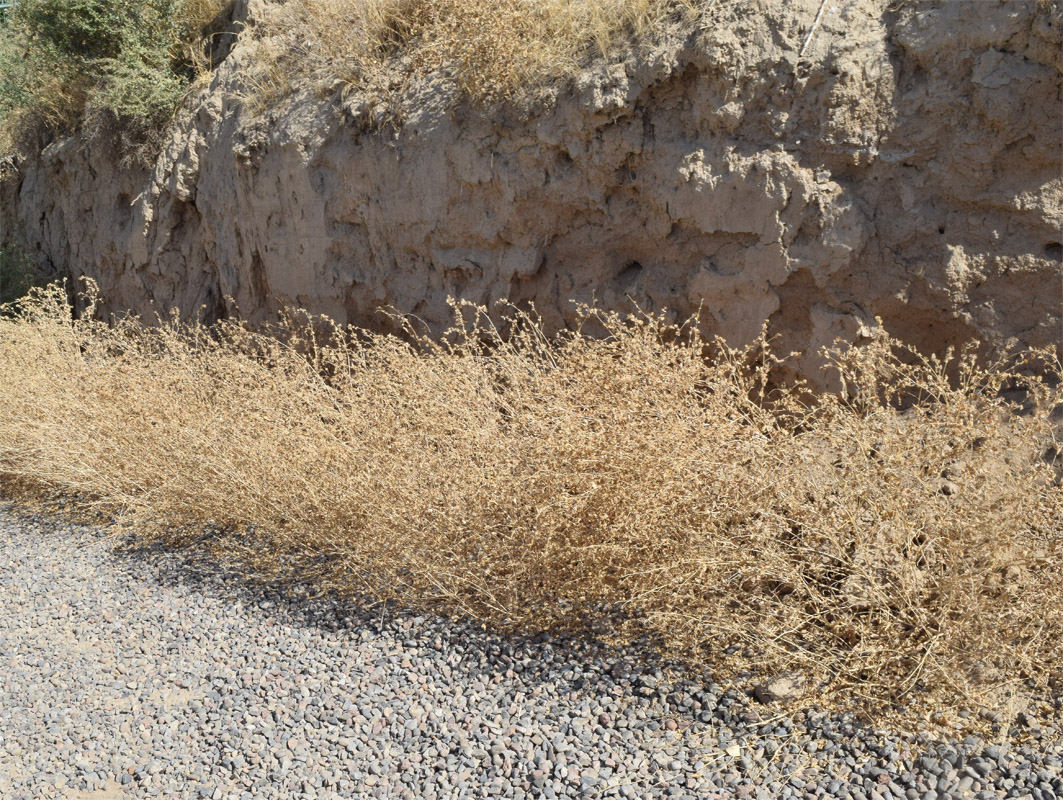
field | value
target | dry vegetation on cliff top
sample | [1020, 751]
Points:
[64, 62]
[625, 482]
[490, 49]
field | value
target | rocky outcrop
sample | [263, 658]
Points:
[899, 161]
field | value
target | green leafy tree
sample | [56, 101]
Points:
[132, 59]
[81, 31]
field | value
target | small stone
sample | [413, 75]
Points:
[784, 688]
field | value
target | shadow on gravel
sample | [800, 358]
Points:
[568, 662]
[577, 666]
[292, 598]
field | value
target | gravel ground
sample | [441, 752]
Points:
[156, 676]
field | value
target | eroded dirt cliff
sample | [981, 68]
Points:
[902, 163]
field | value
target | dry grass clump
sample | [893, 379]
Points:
[904, 535]
[490, 49]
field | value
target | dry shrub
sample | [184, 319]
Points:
[905, 532]
[491, 49]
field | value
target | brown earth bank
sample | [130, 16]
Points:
[818, 168]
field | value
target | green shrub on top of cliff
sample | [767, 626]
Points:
[63, 62]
